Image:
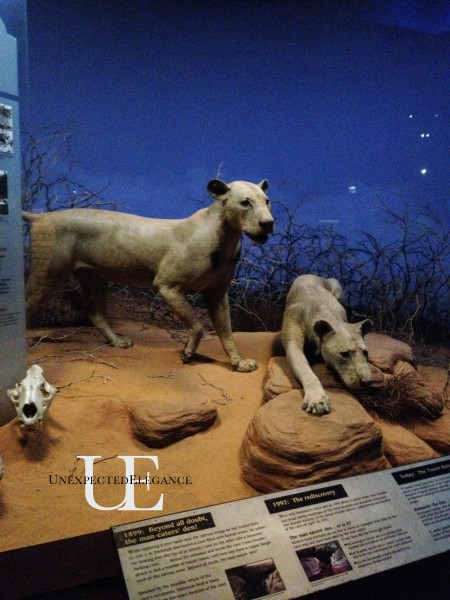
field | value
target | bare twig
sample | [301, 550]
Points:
[93, 376]
[171, 375]
[49, 338]
[224, 393]
[86, 353]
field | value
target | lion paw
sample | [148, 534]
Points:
[186, 357]
[122, 342]
[246, 365]
[316, 403]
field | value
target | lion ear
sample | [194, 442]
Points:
[322, 328]
[364, 326]
[217, 188]
[264, 185]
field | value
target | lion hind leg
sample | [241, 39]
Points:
[95, 292]
[40, 287]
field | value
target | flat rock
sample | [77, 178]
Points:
[285, 447]
[436, 378]
[281, 380]
[407, 405]
[158, 423]
[402, 447]
[385, 351]
[435, 433]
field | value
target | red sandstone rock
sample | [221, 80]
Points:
[385, 351]
[285, 447]
[402, 447]
[158, 423]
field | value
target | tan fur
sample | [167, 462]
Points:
[314, 315]
[196, 254]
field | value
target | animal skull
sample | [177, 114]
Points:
[32, 397]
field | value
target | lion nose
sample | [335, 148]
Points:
[365, 381]
[267, 225]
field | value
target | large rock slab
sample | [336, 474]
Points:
[436, 378]
[281, 380]
[284, 447]
[158, 423]
[402, 447]
[435, 433]
[406, 403]
[385, 351]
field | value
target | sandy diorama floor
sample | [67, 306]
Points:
[90, 417]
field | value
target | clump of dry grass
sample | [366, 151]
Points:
[403, 398]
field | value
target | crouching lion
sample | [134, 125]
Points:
[315, 318]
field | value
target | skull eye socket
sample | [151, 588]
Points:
[45, 393]
[345, 355]
[246, 203]
[366, 354]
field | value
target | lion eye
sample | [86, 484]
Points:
[246, 203]
[345, 354]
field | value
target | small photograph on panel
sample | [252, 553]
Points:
[4, 208]
[324, 560]
[6, 129]
[255, 580]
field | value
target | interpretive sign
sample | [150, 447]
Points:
[291, 543]
[12, 314]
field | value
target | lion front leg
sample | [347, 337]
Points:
[315, 400]
[219, 312]
[180, 306]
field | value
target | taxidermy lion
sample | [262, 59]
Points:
[175, 256]
[314, 317]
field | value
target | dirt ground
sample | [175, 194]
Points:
[89, 417]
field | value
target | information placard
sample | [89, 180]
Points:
[12, 304]
[291, 544]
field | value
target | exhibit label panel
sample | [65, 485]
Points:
[291, 543]
[12, 314]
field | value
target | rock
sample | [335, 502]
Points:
[436, 379]
[158, 423]
[281, 380]
[435, 433]
[402, 447]
[285, 447]
[385, 351]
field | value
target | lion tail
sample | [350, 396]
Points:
[30, 217]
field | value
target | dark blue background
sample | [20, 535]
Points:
[315, 96]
